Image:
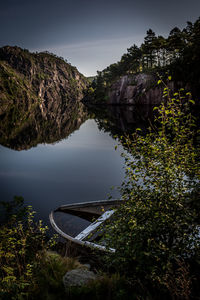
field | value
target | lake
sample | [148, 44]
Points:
[55, 160]
[82, 167]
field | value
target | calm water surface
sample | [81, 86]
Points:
[82, 167]
[63, 154]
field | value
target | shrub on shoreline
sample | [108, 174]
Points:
[156, 232]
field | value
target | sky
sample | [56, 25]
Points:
[90, 34]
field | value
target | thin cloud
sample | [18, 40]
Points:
[93, 44]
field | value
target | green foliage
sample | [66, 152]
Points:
[105, 287]
[91, 90]
[91, 78]
[156, 226]
[49, 276]
[22, 244]
[12, 85]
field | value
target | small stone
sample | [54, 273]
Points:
[87, 266]
[78, 277]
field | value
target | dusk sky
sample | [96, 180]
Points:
[89, 34]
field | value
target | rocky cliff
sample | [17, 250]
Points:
[38, 78]
[132, 89]
[135, 89]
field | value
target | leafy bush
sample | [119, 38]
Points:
[50, 273]
[22, 246]
[155, 226]
[105, 287]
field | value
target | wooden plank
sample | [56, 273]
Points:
[93, 207]
[87, 231]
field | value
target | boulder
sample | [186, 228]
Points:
[78, 277]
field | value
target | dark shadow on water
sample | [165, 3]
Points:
[119, 120]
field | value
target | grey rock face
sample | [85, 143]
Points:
[135, 89]
[78, 277]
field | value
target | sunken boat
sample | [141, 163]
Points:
[96, 212]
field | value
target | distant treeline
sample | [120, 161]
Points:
[179, 53]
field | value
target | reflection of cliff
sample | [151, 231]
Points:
[120, 119]
[23, 127]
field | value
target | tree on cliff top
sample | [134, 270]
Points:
[178, 54]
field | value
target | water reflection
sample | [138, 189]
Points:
[71, 153]
[123, 119]
[25, 127]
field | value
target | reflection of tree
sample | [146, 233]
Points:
[24, 127]
[118, 120]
